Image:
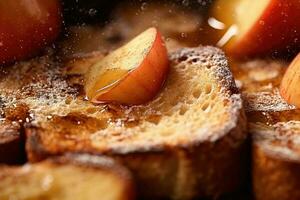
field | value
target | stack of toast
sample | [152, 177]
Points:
[190, 141]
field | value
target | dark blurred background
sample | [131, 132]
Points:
[98, 11]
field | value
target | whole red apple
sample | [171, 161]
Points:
[26, 26]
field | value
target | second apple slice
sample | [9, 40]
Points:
[258, 27]
[132, 74]
[289, 88]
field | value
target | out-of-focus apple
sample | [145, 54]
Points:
[258, 27]
[132, 74]
[26, 26]
[289, 88]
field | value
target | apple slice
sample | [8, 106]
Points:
[258, 27]
[289, 88]
[132, 74]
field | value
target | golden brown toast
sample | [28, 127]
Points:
[274, 126]
[179, 145]
[72, 177]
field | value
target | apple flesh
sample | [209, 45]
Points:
[132, 74]
[258, 27]
[289, 88]
[26, 26]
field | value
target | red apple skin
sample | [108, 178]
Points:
[276, 30]
[289, 88]
[26, 26]
[146, 80]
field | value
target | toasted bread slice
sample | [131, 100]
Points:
[274, 126]
[179, 145]
[72, 177]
